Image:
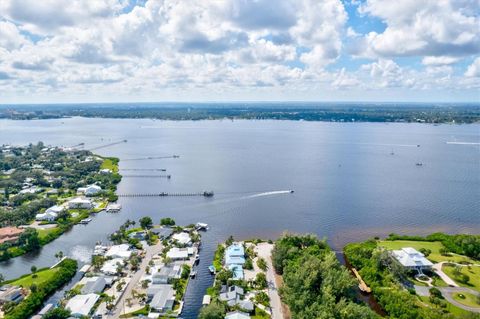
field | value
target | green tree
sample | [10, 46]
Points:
[167, 221]
[146, 222]
[261, 281]
[33, 269]
[262, 264]
[57, 313]
[215, 310]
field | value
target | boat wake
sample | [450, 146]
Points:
[272, 193]
[81, 253]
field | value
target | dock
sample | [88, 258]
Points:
[361, 285]
[147, 176]
[164, 194]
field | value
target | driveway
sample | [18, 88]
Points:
[150, 251]
[438, 269]
[447, 292]
[264, 251]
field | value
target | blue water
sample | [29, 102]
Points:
[348, 186]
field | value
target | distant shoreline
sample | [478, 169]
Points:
[401, 113]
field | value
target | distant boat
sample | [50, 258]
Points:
[85, 221]
[419, 164]
[193, 274]
[201, 226]
[212, 269]
[292, 191]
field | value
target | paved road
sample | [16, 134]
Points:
[150, 251]
[438, 269]
[265, 251]
[447, 292]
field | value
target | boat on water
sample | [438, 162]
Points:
[193, 274]
[292, 191]
[113, 208]
[197, 259]
[85, 221]
[211, 268]
[419, 164]
[201, 226]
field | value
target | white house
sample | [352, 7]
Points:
[110, 266]
[50, 216]
[80, 203]
[81, 305]
[177, 253]
[55, 209]
[119, 251]
[410, 258]
[105, 171]
[90, 190]
[182, 238]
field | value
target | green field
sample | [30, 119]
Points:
[450, 308]
[109, 164]
[42, 233]
[434, 246]
[473, 273]
[42, 276]
[467, 300]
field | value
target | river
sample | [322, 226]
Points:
[352, 181]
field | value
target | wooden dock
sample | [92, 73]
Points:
[361, 285]
[147, 176]
[164, 194]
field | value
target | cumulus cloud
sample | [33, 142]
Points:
[219, 47]
[474, 69]
[430, 27]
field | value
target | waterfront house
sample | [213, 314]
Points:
[140, 235]
[163, 299]
[412, 259]
[50, 217]
[90, 190]
[235, 259]
[182, 238]
[166, 274]
[119, 251]
[176, 253]
[162, 232]
[10, 294]
[55, 209]
[80, 203]
[237, 315]
[234, 297]
[81, 305]
[10, 234]
[110, 266]
[94, 285]
[105, 171]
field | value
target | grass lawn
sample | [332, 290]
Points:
[42, 233]
[467, 300]
[473, 273]
[450, 308]
[434, 246]
[42, 276]
[109, 164]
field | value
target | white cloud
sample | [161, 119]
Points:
[430, 27]
[10, 37]
[216, 48]
[439, 60]
[474, 69]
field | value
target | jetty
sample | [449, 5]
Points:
[163, 194]
[148, 176]
[361, 285]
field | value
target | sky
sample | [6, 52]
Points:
[68, 51]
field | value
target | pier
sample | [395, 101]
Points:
[148, 176]
[163, 194]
